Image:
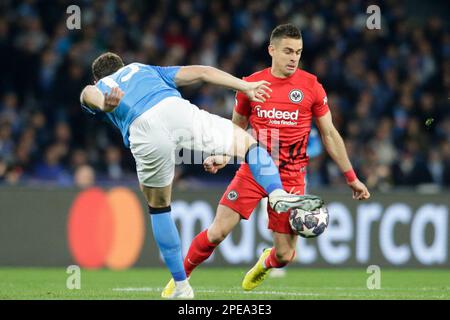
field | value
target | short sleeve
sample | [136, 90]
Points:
[91, 111]
[242, 105]
[320, 106]
[168, 74]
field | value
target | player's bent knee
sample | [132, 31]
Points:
[216, 236]
[249, 139]
[242, 142]
[157, 197]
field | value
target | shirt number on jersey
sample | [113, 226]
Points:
[134, 68]
[112, 84]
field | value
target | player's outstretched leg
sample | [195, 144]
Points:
[206, 241]
[266, 174]
[168, 240]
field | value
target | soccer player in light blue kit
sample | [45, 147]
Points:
[143, 102]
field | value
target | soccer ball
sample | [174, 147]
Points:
[309, 224]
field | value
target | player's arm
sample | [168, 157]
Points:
[255, 91]
[93, 98]
[241, 111]
[240, 120]
[334, 144]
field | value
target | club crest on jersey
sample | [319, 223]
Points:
[296, 95]
[232, 195]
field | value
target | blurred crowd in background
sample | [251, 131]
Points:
[388, 89]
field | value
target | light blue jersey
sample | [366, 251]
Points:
[143, 85]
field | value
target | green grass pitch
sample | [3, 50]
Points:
[224, 283]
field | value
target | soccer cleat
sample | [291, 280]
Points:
[257, 274]
[184, 292]
[169, 289]
[285, 201]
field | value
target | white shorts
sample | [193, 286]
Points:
[157, 136]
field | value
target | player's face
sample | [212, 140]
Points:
[285, 54]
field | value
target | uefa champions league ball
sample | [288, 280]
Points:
[309, 224]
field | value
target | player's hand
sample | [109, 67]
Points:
[112, 99]
[212, 164]
[258, 91]
[360, 191]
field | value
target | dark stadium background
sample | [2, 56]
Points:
[388, 91]
[382, 85]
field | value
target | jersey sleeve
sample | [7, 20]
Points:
[168, 74]
[242, 105]
[92, 111]
[320, 106]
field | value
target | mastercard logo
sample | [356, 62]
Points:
[106, 229]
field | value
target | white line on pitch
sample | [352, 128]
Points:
[375, 293]
[225, 292]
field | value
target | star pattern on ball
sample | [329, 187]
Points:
[309, 224]
[322, 219]
[308, 232]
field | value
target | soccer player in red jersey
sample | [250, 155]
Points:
[283, 124]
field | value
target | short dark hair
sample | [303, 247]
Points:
[285, 31]
[106, 64]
